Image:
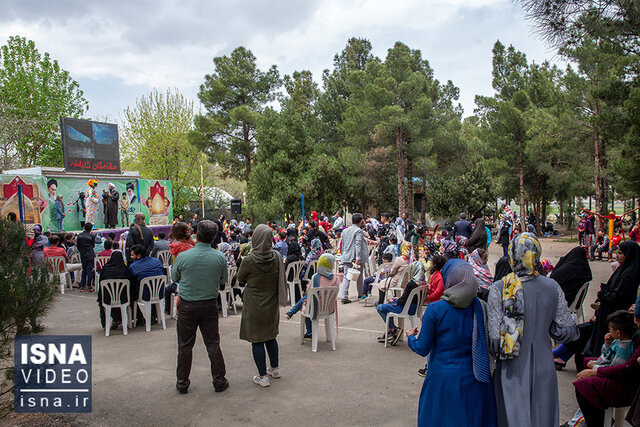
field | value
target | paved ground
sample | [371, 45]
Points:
[361, 383]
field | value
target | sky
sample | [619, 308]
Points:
[119, 50]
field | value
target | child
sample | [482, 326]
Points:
[392, 248]
[322, 279]
[384, 268]
[601, 244]
[618, 345]
[615, 241]
[397, 305]
[124, 210]
[616, 350]
[282, 247]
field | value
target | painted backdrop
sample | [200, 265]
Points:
[153, 198]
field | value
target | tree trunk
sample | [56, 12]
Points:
[536, 208]
[410, 195]
[521, 174]
[423, 210]
[400, 161]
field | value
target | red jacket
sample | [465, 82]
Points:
[436, 286]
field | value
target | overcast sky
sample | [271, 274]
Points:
[120, 49]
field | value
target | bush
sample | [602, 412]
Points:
[25, 295]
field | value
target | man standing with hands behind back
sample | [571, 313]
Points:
[200, 271]
[354, 252]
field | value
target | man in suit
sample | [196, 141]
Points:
[462, 227]
[85, 243]
[354, 252]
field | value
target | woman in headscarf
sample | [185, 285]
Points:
[502, 268]
[572, 272]
[314, 253]
[294, 252]
[617, 294]
[115, 268]
[265, 290]
[461, 246]
[430, 249]
[478, 239]
[525, 377]
[478, 260]
[399, 266]
[322, 279]
[457, 390]
[37, 247]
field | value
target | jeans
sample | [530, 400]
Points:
[296, 308]
[191, 316]
[60, 224]
[384, 309]
[260, 358]
[505, 250]
[367, 285]
[344, 289]
[562, 352]
[87, 273]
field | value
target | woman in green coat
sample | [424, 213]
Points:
[263, 272]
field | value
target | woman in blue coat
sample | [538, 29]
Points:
[457, 390]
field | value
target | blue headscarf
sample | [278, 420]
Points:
[461, 289]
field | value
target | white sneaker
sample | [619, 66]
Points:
[273, 372]
[261, 381]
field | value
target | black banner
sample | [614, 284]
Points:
[89, 146]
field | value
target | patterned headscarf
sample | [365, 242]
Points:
[433, 249]
[416, 272]
[481, 270]
[524, 255]
[461, 244]
[315, 252]
[405, 249]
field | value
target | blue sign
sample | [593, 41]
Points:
[52, 373]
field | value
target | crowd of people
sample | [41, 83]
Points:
[486, 335]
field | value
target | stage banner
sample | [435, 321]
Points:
[35, 200]
[89, 146]
[156, 201]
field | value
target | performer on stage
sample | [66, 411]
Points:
[111, 197]
[92, 202]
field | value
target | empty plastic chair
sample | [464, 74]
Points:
[226, 294]
[292, 276]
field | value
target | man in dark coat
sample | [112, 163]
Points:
[85, 243]
[139, 234]
[462, 227]
[111, 199]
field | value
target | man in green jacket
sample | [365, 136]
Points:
[200, 271]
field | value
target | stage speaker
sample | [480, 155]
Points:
[236, 206]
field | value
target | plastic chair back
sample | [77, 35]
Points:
[154, 284]
[75, 258]
[100, 261]
[321, 301]
[576, 306]
[165, 258]
[312, 268]
[57, 264]
[115, 288]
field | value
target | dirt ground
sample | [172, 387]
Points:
[361, 383]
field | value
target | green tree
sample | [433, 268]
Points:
[234, 97]
[155, 142]
[34, 93]
[25, 296]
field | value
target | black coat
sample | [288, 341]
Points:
[134, 238]
[572, 272]
[85, 243]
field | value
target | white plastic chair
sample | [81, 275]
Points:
[75, 259]
[618, 414]
[418, 293]
[174, 303]
[312, 268]
[294, 268]
[115, 288]
[226, 294]
[165, 258]
[154, 284]
[58, 266]
[321, 304]
[403, 278]
[374, 295]
[578, 302]
[98, 261]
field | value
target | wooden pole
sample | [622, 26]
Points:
[202, 189]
